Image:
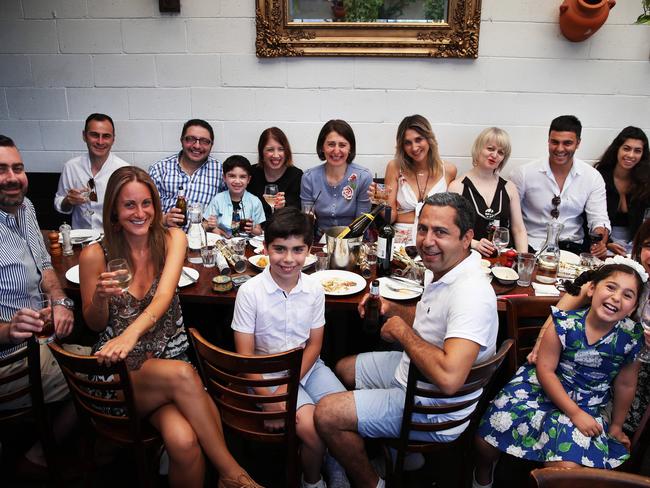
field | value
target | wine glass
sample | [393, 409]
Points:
[270, 191]
[595, 235]
[122, 279]
[501, 238]
[85, 193]
[644, 355]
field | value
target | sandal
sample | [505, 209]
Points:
[242, 481]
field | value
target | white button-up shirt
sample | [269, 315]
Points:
[583, 191]
[279, 320]
[76, 173]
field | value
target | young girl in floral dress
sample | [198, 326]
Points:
[552, 412]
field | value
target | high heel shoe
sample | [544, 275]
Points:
[242, 481]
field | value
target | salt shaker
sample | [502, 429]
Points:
[65, 238]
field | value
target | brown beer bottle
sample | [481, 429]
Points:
[181, 203]
[371, 317]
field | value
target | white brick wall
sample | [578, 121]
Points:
[63, 59]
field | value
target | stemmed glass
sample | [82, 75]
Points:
[644, 355]
[501, 238]
[85, 193]
[270, 192]
[122, 278]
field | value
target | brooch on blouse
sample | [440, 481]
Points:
[348, 190]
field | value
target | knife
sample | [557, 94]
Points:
[188, 276]
[406, 280]
[404, 285]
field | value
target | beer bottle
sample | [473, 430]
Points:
[372, 309]
[181, 203]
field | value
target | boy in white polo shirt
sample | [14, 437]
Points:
[280, 309]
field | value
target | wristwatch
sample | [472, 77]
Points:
[66, 302]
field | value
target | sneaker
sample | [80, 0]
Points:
[336, 477]
[319, 484]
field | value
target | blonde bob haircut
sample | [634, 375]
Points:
[422, 126]
[496, 136]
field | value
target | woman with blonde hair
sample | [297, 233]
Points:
[416, 172]
[482, 184]
[152, 341]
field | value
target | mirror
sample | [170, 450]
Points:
[427, 28]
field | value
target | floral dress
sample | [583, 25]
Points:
[524, 422]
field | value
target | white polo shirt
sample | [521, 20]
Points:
[461, 304]
[279, 321]
[583, 191]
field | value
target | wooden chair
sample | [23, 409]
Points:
[525, 317]
[224, 375]
[37, 412]
[98, 404]
[479, 377]
[585, 478]
[640, 443]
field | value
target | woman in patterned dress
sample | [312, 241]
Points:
[152, 342]
[553, 412]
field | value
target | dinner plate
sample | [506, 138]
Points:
[403, 294]
[569, 257]
[77, 236]
[72, 275]
[255, 261]
[256, 241]
[358, 282]
[211, 238]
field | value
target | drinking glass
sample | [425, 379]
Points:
[381, 193]
[85, 193]
[644, 355]
[122, 278]
[501, 238]
[525, 267]
[208, 256]
[322, 261]
[270, 191]
[42, 304]
[595, 236]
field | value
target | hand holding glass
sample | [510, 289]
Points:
[122, 277]
[41, 303]
[270, 191]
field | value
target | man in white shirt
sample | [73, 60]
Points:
[82, 184]
[444, 337]
[563, 188]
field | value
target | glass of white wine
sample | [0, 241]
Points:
[122, 278]
[501, 238]
[644, 355]
[270, 191]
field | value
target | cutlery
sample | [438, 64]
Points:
[403, 289]
[188, 276]
[407, 281]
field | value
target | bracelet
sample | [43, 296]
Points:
[151, 316]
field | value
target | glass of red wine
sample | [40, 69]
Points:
[595, 234]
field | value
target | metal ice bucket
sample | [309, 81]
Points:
[343, 253]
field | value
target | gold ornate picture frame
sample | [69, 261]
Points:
[456, 37]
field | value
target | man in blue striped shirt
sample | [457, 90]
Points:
[192, 169]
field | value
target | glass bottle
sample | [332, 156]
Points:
[196, 237]
[385, 245]
[548, 257]
[372, 309]
[66, 240]
[181, 204]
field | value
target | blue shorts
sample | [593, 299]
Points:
[379, 398]
[320, 382]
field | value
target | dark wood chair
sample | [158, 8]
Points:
[37, 412]
[525, 317]
[107, 408]
[585, 478]
[640, 443]
[224, 374]
[479, 377]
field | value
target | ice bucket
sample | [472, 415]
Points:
[343, 253]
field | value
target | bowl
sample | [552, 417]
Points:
[504, 275]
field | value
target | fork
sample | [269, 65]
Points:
[401, 289]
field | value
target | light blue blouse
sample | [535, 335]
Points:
[333, 207]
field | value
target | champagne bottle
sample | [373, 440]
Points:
[360, 224]
[181, 203]
[385, 246]
[372, 309]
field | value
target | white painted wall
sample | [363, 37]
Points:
[63, 59]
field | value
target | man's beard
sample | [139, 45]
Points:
[12, 201]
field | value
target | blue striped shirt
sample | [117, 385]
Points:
[200, 187]
[23, 257]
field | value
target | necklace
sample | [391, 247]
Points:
[421, 191]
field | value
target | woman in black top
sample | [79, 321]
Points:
[483, 184]
[625, 167]
[275, 166]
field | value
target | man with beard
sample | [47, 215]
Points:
[192, 169]
[565, 189]
[82, 184]
[444, 337]
[26, 271]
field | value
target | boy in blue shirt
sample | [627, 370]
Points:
[219, 212]
[280, 309]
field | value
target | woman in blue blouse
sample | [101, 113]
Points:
[338, 187]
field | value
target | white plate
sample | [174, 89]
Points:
[386, 292]
[257, 241]
[569, 257]
[79, 235]
[329, 274]
[211, 237]
[72, 275]
[254, 260]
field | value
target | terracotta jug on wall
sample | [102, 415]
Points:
[579, 19]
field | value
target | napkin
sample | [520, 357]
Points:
[545, 290]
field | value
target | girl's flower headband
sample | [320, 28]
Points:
[631, 263]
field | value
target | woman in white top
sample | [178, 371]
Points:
[495, 199]
[416, 172]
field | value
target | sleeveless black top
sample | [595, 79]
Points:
[499, 209]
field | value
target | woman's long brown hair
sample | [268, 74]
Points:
[422, 126]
